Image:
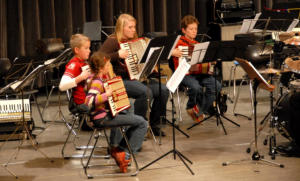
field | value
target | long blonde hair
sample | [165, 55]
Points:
[121, 21]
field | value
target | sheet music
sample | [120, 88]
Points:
[260, 76]
[199, 52]
[151, 61]
[254, 22]
[247, 24]
[28, 79]
[47, 62]
[152, 49]
[15, 84]
[178, 75]
[293, 25]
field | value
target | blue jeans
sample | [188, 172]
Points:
[140, 92]
[136, 128]
[201, 91]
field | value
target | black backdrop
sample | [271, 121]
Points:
[23, 22]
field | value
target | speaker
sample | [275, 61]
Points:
[93, 30]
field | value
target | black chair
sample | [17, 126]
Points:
[97, 133]
[79, 116]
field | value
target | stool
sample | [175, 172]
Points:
[97, 133]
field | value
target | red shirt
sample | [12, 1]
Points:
[73, 69]
[203, 68]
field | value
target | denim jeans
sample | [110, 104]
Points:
[140, 92]
[136, 128]
[201, 91]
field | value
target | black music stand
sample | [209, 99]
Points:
[275, 21]
[148, 68]
[278, 22]
[220, 51]
[259, 81]
[168, 43]
[18, 87]
[56, 63]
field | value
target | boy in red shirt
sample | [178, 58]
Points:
[76, 72]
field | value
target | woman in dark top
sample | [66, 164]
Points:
[126, 31]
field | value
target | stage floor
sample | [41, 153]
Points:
[208, 147]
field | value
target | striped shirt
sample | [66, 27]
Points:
[96, 98]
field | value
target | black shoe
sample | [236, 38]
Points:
[157, 132]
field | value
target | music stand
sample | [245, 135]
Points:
[55, 63]
[168, 45]
[18, 87]
[220, 51]
[150, 63]
[259, 81]
[276, 22]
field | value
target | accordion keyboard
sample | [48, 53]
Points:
[12, 110]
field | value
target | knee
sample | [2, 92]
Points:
[194, 90]
[142, 122]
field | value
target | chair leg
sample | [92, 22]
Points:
[251, 99]
[75, 118]
[130, 151]
[87, 145]
[237, 96]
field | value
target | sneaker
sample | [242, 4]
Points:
[114, 151]
[196, 110]
[193, 115]
[201, 117]
[121, 161]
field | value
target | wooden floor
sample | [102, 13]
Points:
[207, 147]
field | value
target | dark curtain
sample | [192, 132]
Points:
[23, 22]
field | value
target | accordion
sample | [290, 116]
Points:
[11, 118]
[186, 53]
[136, 50]
[119, 100]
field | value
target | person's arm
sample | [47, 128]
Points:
[70, 80]
[111, 47]
[66, 83]
[96, 94]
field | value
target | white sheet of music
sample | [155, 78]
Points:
[47, 62]
[199, 52]
[178, 75]
[152, 49]
[247, 25]
[293, 25]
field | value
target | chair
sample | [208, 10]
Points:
[245, 79]
[97, 133]
[78, 117]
